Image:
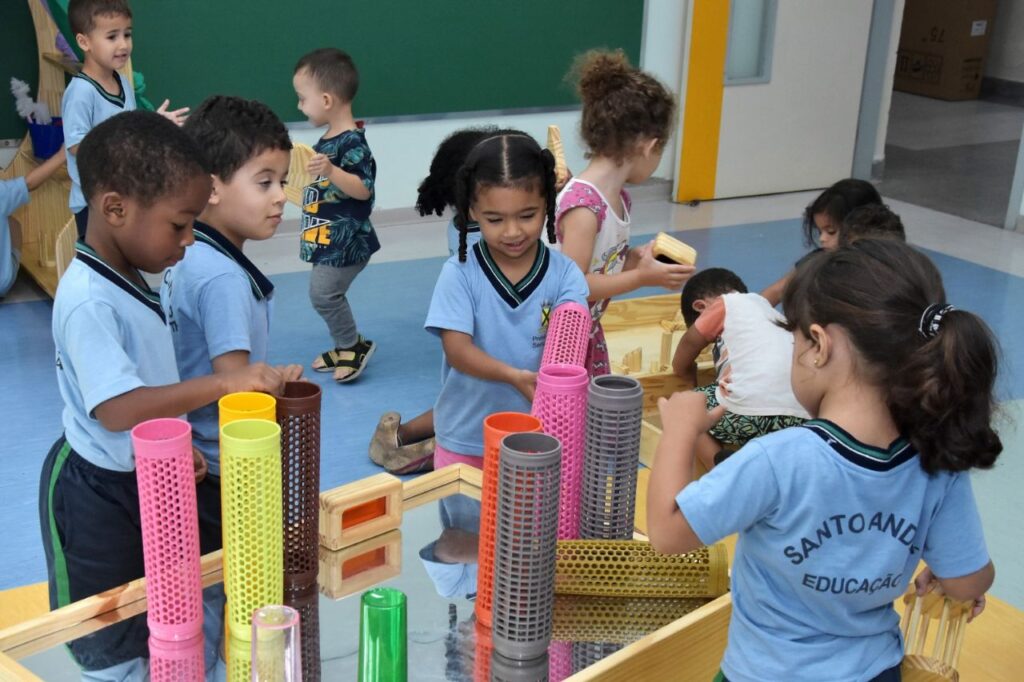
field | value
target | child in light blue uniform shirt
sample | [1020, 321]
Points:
[834, 516]
[491, 307]
[116, 368]
[14, 193]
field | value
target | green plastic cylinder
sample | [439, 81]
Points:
[382, 636]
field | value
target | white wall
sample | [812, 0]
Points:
[1006, 47]
[403, 149]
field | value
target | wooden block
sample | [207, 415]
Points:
[655, 367]
[360, 510]
[666, 349]
[361, 565]
[634, 359]
[298, 176]
[555, 145]
[670, 250]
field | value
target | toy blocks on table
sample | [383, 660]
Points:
[360, 566]
[360, 510]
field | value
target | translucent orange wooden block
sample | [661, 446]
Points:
[360, 566]
[360, 510]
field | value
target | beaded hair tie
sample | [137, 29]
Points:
[931, 319]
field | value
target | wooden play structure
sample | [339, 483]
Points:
[48, 227]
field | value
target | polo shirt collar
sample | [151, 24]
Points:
[143, 294]
[262, 287]
[513, 294]
[859, 454]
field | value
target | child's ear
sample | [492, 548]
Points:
[822, 344]
[649, 147]
[83, 41]
[216, 190]
[699, 305]
[328, 100]
[112, 208]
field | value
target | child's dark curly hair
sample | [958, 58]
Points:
[333, 71]
[622, 105]
[437, 191]
[510, 159]
[871, 221]
[706, 283]
[232, 130]
[138, 154]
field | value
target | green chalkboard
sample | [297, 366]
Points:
[414, 56]
[18, 58]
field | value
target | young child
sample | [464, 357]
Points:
[490, 306]
[752, 354]
[834, 516]
[146, 182]
[627, 115]
[14, 194]
[823, 221]
[217, 302]
[405, 447]
[103, 31]
[337, 235]
[871, 221]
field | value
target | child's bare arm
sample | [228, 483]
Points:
[684, 362]
[774, 291]
[125, 411]
[40, 173]
[465, 356]
[237, 359]
[684, 419]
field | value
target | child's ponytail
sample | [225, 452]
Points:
[937, 365]
[942, 396]
[550, 194]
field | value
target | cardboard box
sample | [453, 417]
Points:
[943, 45]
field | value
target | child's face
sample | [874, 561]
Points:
[313, 102]
[251, 203]
[152, 238]
[109, 42]
[828, 231]
[511, 220]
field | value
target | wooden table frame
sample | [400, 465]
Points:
[701, 635]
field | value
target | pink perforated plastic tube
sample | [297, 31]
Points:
[568, 336]
[170, 528]
[176, 661]
[560, 403]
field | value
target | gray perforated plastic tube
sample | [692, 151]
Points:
[524, 545]
[612, 454]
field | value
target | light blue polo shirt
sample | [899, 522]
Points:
[472, 237]
[13, 195]
[830, 533]
[507, 320]
[85, 105]
[216, 302]
[111, 338]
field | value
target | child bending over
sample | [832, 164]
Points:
[752, 357]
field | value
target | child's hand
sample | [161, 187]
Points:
[258, 376]
[687, 411]
[177, 117]
[525, 382]
[654, 273]
[926, 582]
[290, 372]
[199, 462]
[318, 165]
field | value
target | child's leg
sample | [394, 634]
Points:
[403, 448]
[328, 286]
[706, 449]
[210, 539]
[92, 537]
